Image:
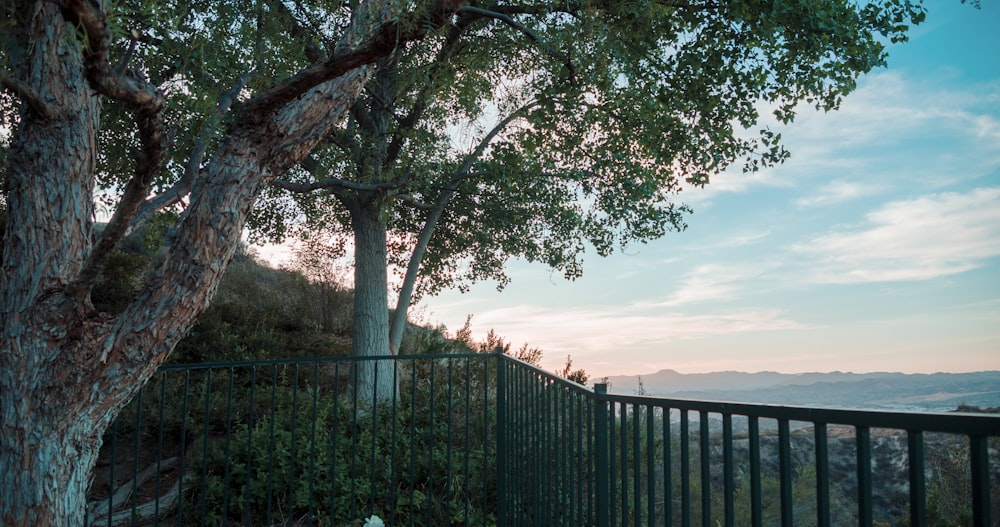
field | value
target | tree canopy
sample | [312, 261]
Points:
[583, 118]
[546, 130]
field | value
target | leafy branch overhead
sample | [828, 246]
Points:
[541, 130]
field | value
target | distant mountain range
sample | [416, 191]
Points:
[883, 390]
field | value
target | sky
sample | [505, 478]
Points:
[876, 247]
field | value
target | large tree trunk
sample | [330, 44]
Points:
[50, 422]
[374, 379]
[65, 370]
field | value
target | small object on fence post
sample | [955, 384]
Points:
[601, 444]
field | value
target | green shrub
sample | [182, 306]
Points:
[309, 456]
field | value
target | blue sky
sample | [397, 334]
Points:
[876, 247]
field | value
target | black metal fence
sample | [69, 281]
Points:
[483, 439]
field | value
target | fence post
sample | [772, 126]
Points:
[501, 428]
[601, 444]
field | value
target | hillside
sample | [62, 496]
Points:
[885, 391]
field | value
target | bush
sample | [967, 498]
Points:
[306, 452]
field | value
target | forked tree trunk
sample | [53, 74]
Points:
[66, 371]
[374, 379]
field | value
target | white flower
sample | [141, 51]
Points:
[374, 521]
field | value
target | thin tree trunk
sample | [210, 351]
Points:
[375, 379]
[399, 317]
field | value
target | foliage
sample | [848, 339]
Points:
[120, 280]
[548, 131]
[305, 454]
[260, 312]
[578, 376]
[599, 110]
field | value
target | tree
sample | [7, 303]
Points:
[76, 70]
[583, 121]
[199, 106]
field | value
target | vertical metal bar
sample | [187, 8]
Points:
[785, 469]
[979, 459]
[591, 461]
[650, 468]
[623, 453]
[756, 508]
[292, 454]
[137, 431]
[203, 504]
[356, 366]
[602, 454]
[545, 458]
[704, 451]
[535, 453]
[334, 432]
[635, 463]
[519, 443]
[501, 431]
[668, 478]
[449, 412]
[111, 471]
[159, 446]
[413, 440]
[372, 480]
[572, 456]
[566, 432]
[271, 446]
[822, 476]
[250, 429]
[394, 440]
[623, 431]
[729, 483]
[864, 445]
[183, 436]
[430, 443]
[467, 440]
[613, 464]
[582, 427]
[312, 442]
[918, 485]
[685, 470]
[227, 471]
[485, 452]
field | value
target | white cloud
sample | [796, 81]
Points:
[918, 239]
[941, 132]
[836, 192]
[709, 282]
[598, 329]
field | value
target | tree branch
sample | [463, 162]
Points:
[332, 183]
[25, 93]
[473, 156]
[422, 99]
[410, 199]
[507, 19]
[300, 32]
[225, 103]
[352, 52]
[147, 104]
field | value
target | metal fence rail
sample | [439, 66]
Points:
[294, 443]
[656, 469]
[484, 439]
